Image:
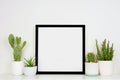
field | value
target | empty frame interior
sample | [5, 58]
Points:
[60, 48]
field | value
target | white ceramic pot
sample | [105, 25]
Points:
[17, 67]
[91, 69]
[105, 67]
[30, 71]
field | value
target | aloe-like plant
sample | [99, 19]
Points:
[17, 46]
[105, 51]
[91, 57]
[30, 62]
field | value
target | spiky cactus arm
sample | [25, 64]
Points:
[99, 56]
[11, 40]
[111, 52]
[18, 40]
[108, 51]
[23, 45]
[104, 50]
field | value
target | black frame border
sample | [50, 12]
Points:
[58, 72]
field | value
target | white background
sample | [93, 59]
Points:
[60, 49]
[101, 17]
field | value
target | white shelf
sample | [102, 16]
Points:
[58, 77]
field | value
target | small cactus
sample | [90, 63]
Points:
[91, 57]
[17, 46]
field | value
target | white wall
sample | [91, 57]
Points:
[19, 17]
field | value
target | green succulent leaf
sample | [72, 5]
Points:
[30, 62]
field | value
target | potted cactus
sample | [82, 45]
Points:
[105, 55]
[30, 68]
[17, 46]
[91, 68]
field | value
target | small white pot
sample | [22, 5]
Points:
[17, 67]
[91, 69]
[30, 71]
[105, 67]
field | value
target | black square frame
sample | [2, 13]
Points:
[58, 72]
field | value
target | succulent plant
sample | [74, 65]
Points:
[91, 57]
[105, 52]
[17, 46]
[30, 62]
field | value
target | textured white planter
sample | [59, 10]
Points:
[91, 69]
[105, 67]
[17, 67]
[30, 71]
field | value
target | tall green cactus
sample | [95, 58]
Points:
[17, 46]
[105, 53]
